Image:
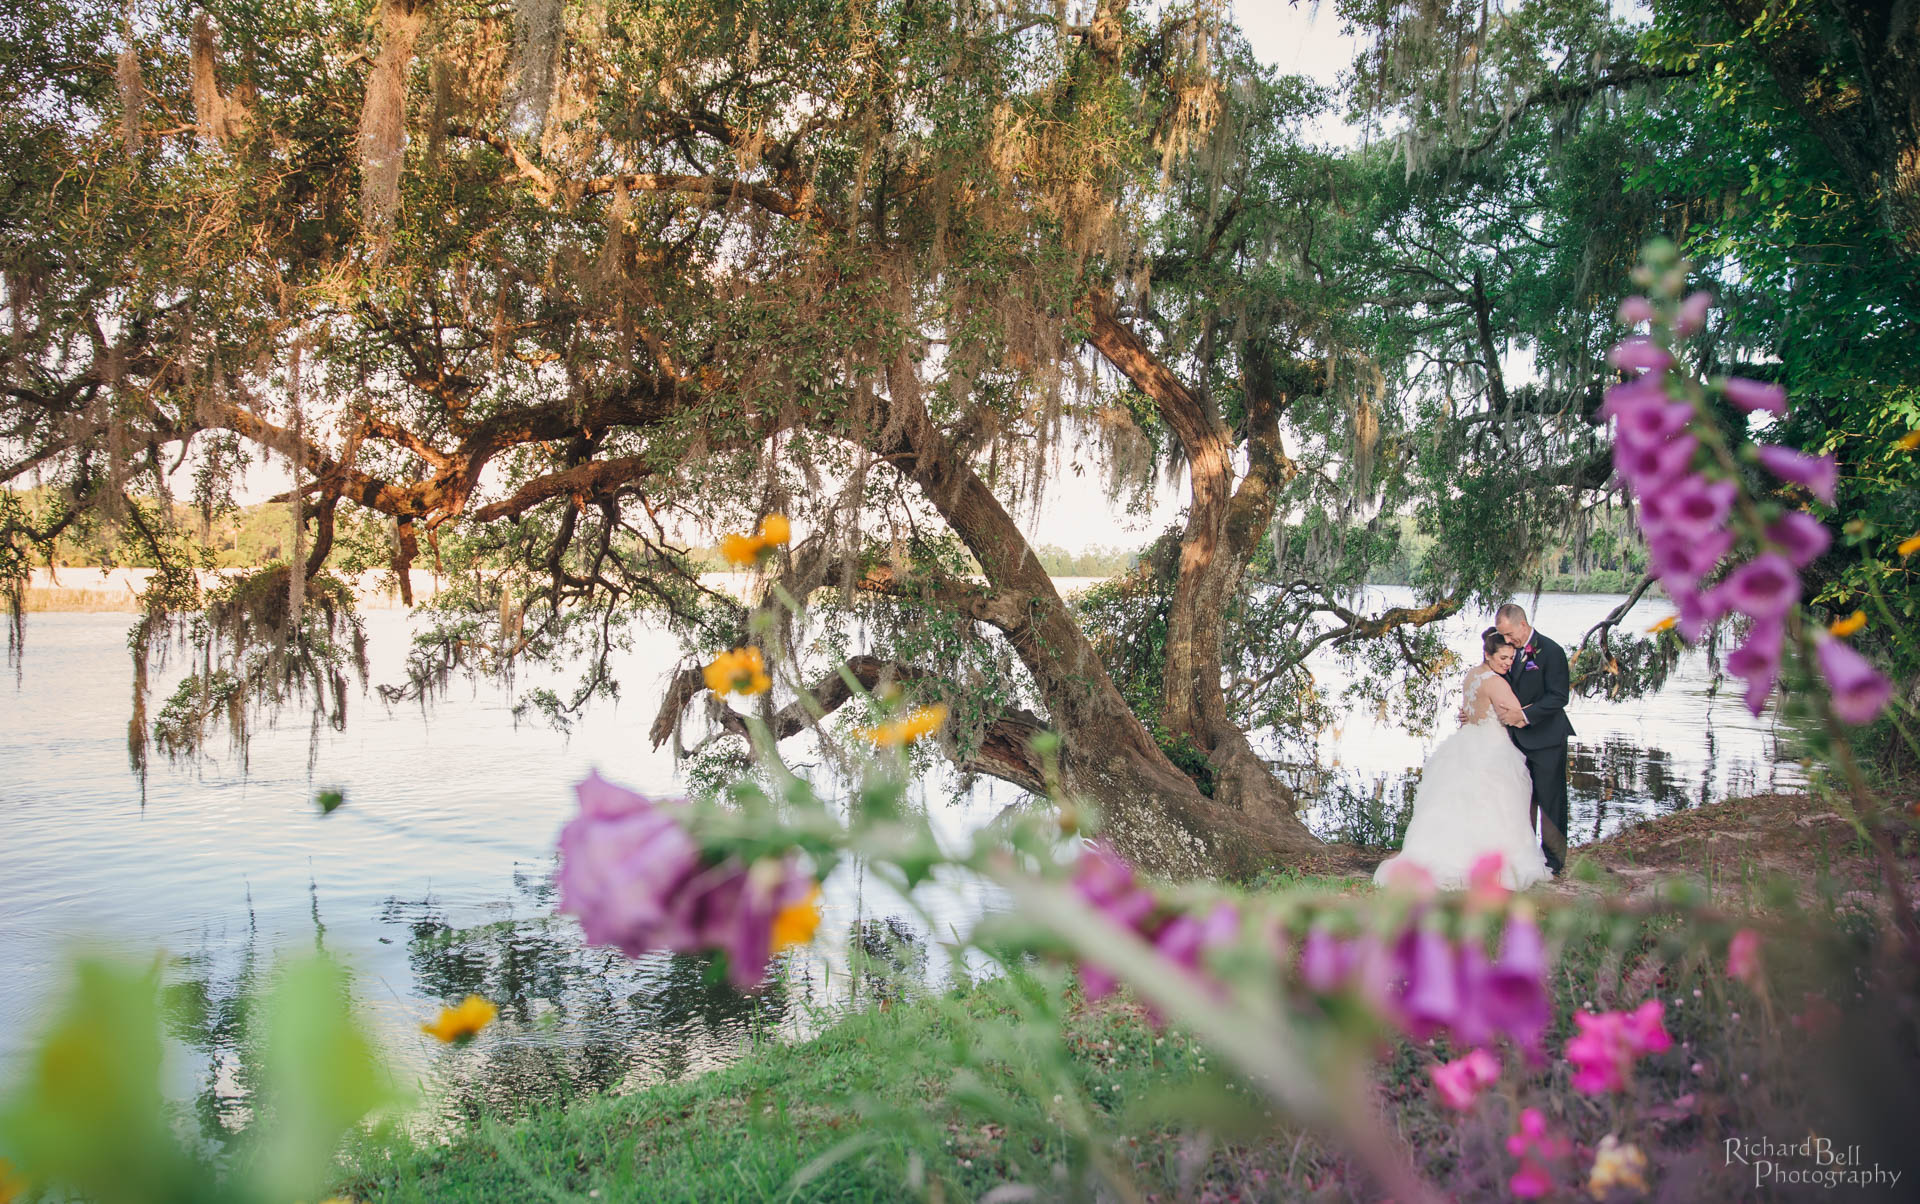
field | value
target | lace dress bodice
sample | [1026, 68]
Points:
[1484, 700]
[1478, 704]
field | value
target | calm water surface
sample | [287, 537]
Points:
[435, 879]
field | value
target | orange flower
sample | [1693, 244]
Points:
[746, 551]
[462, 1022]
[1852, 623]
[922, 722]
[1908, 441]
[741, 550]
[1908, 546]
[775, 530]
[796, 923]
[1664, 624]
[741, 671]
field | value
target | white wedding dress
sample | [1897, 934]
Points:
[1473, 799]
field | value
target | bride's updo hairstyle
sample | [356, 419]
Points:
[1491, 641]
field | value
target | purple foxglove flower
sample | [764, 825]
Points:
[1859, 690]
[735, 914]
[1647, 467]
[1692, 506]
[1764, 587]
[1801, 537]
[1221, 928]
[1820, 474]
[1514, 997]
[623, 863]
[1682, 560]
[1635, 310]
[1096, 983]
[1652, 423]
[1632, 394]
[1693, 314]
[1471, 1024]
[1758, 660]
[1751, 395]
[1640, 352]
[1432, 999]
[1179, 942]
[1699, 610]
[1105, 880]
[1324, 962]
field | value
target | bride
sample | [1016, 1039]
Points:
[1475, 790]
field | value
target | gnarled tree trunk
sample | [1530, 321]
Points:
[1225, 523]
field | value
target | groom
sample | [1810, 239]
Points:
[1539, 679]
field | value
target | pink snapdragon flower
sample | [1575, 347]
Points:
[1460, 1082]
[1820, 474]
[1535, 1147]
[1604, 1050]
[1743, 957]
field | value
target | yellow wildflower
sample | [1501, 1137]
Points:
[748, 550]
[1908, 441]
[742, 550]
[1664, 624]
[922, 722]
[797, 922]
[1617, 1164]
[742, 671]
[460, 1023]
[1852, 623]
[1908, 546]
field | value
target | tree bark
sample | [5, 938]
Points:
[1224, 525]
[1156, 815]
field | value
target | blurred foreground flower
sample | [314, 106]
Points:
[1461, 1081]
[462, 1022]
[747, 550]
[923, 721]
[1617, 1164]
[1535, 1148]
[1604, 1050]
[637, 881]
[741, 671]
[1674, 458]
[1743, 957]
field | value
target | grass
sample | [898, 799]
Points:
[86, 601]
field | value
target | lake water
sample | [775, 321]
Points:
[433, 880]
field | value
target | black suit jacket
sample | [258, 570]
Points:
[1542, 684]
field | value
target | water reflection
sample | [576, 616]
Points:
[574, 1019]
